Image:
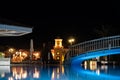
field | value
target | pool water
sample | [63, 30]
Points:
[59, 72]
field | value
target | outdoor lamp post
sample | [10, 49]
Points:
[71, 41]
[11, 51]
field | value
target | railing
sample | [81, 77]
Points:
[94, 45]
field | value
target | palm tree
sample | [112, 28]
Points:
[103, 31]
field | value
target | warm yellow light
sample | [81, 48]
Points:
[53, 55]
[62, 58]
[58, 43]
[24, 54]
[58, 53]
[58, 58]
[71, 40]
[93, 65]
[36, 73]
[11, 50]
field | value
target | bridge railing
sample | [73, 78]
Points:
[94, 45]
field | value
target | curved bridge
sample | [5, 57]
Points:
[94, 48]
[79, 59]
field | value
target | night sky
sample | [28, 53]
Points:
[83, 22]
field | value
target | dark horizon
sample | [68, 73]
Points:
[82, 23]
[48, 36]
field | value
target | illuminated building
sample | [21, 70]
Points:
[58, 52]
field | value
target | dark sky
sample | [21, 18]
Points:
[83, 22]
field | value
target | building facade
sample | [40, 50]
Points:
[58, 51]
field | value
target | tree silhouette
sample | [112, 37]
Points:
[103, 31]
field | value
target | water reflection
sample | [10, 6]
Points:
[36, 73]
[3, 70]
[33, 72]
[103, 69]
[93, 71]
[19, 73]
[59, 72]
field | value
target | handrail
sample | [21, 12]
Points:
[94, 45]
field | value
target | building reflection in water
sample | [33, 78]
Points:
[33, 72]
[36, 73]
[58, 73]
[19, 73]
[91, 72]
[93, 66]
[3, 70]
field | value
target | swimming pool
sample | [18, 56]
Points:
[58, 72]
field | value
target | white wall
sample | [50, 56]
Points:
[4, 61]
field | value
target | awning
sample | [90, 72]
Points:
[10, 30]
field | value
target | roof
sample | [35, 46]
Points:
[12, 30]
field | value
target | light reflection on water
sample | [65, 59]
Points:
[59, 72]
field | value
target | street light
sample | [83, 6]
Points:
[11, 51]
[71, 41]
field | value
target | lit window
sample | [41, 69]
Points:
[58, 58]
[58, 53]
